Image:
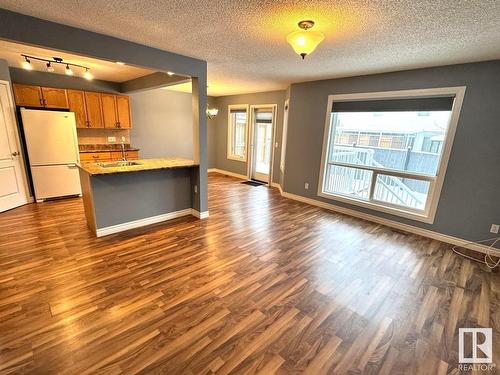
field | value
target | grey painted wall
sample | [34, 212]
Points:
[221, 123]
[33, 77]
[34, 31]
[4, 70]
[117, 197]
[469, 201]
[163, 123]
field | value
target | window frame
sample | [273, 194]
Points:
[229, 147]
[284, 134]
[426, 215]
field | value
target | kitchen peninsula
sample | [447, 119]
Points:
[119, 196]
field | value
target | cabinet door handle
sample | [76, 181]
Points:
[44, 102]
[41, 102]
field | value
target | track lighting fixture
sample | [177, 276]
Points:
[26, 64]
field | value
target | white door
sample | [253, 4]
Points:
[12, 188]
[262, 139]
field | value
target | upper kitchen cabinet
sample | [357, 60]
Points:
[94, 109]
[40, 97]
[123, 112]
[116, 111]
[109, 111]
[76, 102]
[54, 98]
[29, 96]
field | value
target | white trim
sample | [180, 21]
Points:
[142, 222]
[428, 214]
[229, 154]
[277, 185]
[250, 155]
[286, 109]
[199, 215]
[227, 173]
[394, 224]
[22, 158]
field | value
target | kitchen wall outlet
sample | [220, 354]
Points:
[495, 228]
[111, 139]
[306, 186]
[195, 189]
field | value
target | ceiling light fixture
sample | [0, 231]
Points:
[55, 61]
[87, 75]
[170, 73]
[68, 70]
[212, 112]
[26, 64]
[120, 63]
[305, 41]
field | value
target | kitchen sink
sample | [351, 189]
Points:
[118, 164]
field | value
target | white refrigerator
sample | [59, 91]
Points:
[53, 152]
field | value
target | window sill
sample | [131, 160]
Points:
[236, 158]
[423, 217]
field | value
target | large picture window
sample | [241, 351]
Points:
[237, 132]
[388, 151]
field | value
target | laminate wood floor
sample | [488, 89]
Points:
[265, 285]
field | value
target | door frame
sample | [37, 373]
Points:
[250, 155]
[22, 160]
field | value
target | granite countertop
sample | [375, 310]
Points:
[95, 169]
[105, 148]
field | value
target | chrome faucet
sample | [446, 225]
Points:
[124, 157]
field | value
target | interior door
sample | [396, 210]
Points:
[12, 188]
[262, 134]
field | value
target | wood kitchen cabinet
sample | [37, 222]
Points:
[54, 98]
[29, 96]
[129, 155]
[94, 110]
[123, 112]
[109, 111]
[76, 102]
[116, 111]
[40, 97]
[104, 156]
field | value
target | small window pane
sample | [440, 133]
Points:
[237, 133]
[407, 141]
[352, 182]
[404, 192]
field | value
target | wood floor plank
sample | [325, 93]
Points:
[264, 285]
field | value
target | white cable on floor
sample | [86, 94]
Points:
[487, 256]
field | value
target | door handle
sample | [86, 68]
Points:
[15, 153]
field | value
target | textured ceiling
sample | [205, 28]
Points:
[105, 70]
[243, 41]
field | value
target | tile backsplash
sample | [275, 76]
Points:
[100, 136]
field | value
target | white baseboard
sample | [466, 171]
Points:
[142, 222]
[276, 185]
[198, 214]
[394, 224]
[227, 173]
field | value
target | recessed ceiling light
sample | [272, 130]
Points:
[170, 73]
[120, 63]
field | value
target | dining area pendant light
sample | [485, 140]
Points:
[305, 41]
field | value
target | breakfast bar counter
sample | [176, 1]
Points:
[122, 195]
